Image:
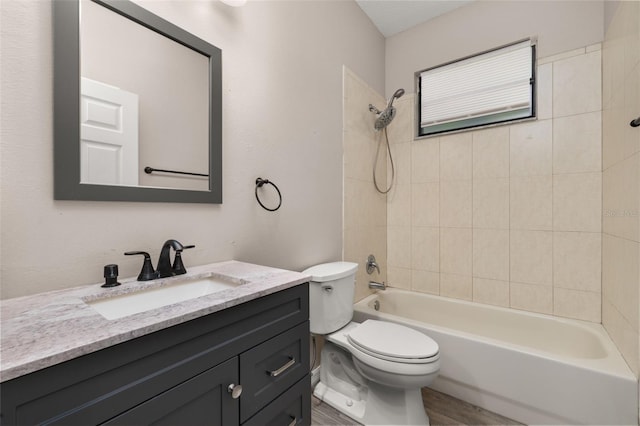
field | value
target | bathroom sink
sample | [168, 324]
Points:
[144, 300]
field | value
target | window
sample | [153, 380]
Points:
[493, 87]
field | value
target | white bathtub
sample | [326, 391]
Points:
[536, 369]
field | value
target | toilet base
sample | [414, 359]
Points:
[405, 410]
[366, 402]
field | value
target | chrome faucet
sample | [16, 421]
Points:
[377, 286]
[371, 264]
[165, 269]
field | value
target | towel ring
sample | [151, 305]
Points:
[259, 183]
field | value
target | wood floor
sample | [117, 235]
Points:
[442, 410]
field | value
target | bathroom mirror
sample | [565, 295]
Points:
[137, 107]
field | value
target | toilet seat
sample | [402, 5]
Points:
[394, 365]
[393, 342]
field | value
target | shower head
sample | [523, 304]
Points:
[395, 96]
[386, 117]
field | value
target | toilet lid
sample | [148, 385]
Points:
[391, 340]
[331, 271]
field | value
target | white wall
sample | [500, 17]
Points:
[282, 83]
[559, 25]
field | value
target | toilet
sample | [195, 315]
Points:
[370, 371]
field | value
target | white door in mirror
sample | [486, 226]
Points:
[108, 134]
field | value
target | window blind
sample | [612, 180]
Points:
[496, 85]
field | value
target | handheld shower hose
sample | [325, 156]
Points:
[375, 164]
[384, 119]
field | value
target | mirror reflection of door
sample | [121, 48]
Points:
[172, 85]
[108, 134]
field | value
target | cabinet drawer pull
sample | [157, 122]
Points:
[294, 421]
[235, 390]
[279, 371]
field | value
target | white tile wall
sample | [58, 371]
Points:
[621, 182]
[456, 286]
[491, 292]
[545, 91]
[425, 204]
[509, 215]
[491, 254]
[531, 297]
[578, 304]
[576, 260]
[577, 202]
[399, 247]
[532, 257]
[365, 211]
[491, 203]
[577, 143]
[425, 161]
[577, 84]
[425, 250]
[456, 203]
[491, 153]
[456, 157]
[456, 255]
[531, 203]
[531, 148]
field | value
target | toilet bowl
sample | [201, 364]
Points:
[372, 371]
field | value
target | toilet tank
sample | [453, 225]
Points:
[331, 291]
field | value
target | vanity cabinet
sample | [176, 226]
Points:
[181, 375]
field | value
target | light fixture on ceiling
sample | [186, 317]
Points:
[234, 3]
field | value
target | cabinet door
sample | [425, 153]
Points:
[203, 399]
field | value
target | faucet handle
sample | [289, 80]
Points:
[372, 264]
[147, 273]
[178, 267]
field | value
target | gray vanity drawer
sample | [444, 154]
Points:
[270, 368]
[291, 408]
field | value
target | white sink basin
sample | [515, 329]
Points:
[145, 300]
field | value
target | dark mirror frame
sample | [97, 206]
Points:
[66, 112]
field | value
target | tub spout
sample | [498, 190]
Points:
[377, 286]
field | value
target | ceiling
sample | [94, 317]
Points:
[394, 16]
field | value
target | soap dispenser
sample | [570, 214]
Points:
[110, 276]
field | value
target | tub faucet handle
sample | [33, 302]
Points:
[372, 264]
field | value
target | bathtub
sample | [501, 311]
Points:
[533, 368]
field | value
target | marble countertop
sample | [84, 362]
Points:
[45, 329]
